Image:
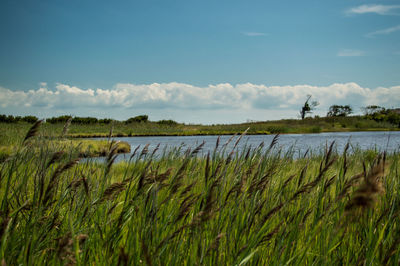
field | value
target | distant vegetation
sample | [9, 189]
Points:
[16, 119]
[381, 114]
[338, 119]
[339, 110]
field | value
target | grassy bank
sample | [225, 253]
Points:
[121, 129]
[11, 140]
[253, 207]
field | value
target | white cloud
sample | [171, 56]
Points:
[377, 9]
[350, 52]
[384, 31]
[184, 100]
[253, 34]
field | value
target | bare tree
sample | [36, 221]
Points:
[308, 107]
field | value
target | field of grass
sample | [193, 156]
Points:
[250, 207]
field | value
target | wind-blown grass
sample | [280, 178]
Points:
[253, 206]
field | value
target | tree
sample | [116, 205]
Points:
[372, 109]
[339, 110]
[308, 107]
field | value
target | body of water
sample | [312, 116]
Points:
[296, 143]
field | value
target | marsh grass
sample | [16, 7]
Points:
[254, 206]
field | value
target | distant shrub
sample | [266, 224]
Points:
[84, 120]
[7, 118]
[105, 121]
[315, 129]
[380, 114]
[30, 119]
[15, 119]
[76, 120]
[167, 122]
[137, 119]
[61, 119]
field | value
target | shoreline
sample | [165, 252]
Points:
[123, 135]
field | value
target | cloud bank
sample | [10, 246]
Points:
[186, 99]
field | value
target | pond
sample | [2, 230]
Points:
[297, 144]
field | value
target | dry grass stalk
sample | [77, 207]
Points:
[197, 149]
[145, 150]
[155, 150]
[240, 137]
[54, 158]
[217, 143]
[214, 244]
[75, 184]
[261, 184]
[143, 176]
[329, 182]
[324, 166]
[302, 175]
[187, 189]
[157, 178]
[287, 181]
[33, 131]
[186, 206]
[110, 134]
[207, 169]
[365, 195]
[171, 236]
[273, 142]
[348, 184]
[134, 152]
[64, 248]
[269, 236]
[229, 140]
[112, 191]
[66, 127]
[54, 179]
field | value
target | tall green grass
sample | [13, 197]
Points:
[256, 206]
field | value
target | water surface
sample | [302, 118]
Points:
[298, 144]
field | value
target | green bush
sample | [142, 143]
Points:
[138, 119]
[167, 122]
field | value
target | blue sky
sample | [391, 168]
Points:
[191, 47]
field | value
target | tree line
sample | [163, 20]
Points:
[372, 112]
[81, 120]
